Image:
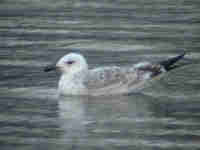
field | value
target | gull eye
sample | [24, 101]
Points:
[70, 62]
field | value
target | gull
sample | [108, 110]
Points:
[77, 79]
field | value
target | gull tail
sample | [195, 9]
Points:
[169, 63]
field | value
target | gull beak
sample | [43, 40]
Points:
[49, 68]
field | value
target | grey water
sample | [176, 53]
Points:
[164, 115]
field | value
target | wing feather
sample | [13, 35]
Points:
[119, 79]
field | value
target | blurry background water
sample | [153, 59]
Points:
[34, 33]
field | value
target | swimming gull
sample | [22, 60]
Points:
[77, 79]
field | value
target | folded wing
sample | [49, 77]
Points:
[116, 80]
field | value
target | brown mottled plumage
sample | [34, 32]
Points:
[77, 79]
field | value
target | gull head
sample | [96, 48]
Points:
[69, 64]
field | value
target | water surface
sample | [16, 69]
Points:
[165, 115]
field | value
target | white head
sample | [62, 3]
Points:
[70, 64]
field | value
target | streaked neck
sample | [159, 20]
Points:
[72, 84]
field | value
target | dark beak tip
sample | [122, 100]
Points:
[49, 68]
[45, 69]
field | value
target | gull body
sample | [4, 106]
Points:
[77, 79]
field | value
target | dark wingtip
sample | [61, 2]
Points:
[49, 68]
[183, 54]
[169, 64]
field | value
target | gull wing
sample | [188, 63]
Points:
[116, 80]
